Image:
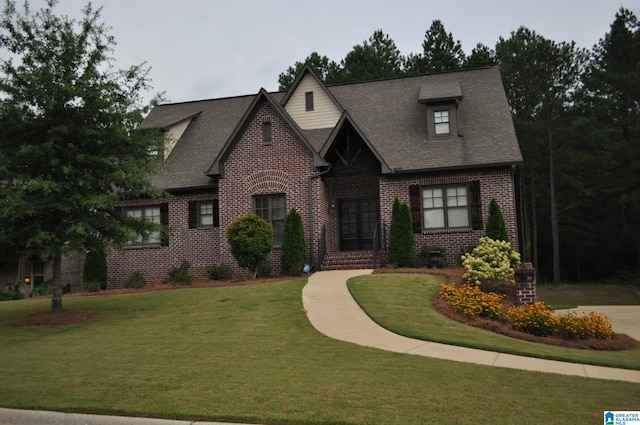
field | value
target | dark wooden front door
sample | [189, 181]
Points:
[358, 221]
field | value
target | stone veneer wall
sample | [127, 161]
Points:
[494, 183]
[199, 246]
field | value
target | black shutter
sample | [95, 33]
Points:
[415, 201]
[164, 220]
[193, 214]
[476, 205]
[216, 213]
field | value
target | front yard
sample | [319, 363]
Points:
[249, 354]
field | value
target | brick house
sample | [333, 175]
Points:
[443, 143]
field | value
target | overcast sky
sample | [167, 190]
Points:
[200, 49]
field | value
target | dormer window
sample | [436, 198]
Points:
[156, 150]
[441, 101]
[308, 101]
[441, 122]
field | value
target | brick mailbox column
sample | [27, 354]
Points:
[525, 276]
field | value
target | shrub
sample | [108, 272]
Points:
[10, 294]
[401, 242]
[219, 272]
[465, 250]
[425, 256]
[135, 280]
[583, 326]
[496, 227]
[95, 269]
[490, 263]
[91, 286]
[251, 240]
[536, 319]
[471, 301]
[43, 289]
[180, 274]
[294, 246]
[539, 319]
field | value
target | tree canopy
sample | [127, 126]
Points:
[70, 153]
[577, 118]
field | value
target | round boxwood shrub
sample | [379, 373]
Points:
[251, 240]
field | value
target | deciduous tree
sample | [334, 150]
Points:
[69, 153]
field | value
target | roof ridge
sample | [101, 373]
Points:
[399, 77]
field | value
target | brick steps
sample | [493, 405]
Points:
[348, 260]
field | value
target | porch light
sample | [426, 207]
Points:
[27, 280]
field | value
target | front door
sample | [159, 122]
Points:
[358, 221]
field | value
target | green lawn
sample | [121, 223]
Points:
[402, 304]
[569, 296]
[249, 354]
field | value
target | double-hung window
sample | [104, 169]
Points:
[272, 209]
[445, 207]
[151, 213]
[204, 214]
[441, 122]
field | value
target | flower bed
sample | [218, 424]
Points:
[534, 322]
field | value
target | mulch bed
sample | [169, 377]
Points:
[48, 318]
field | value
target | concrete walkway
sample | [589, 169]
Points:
[333, 311]
[33, 417]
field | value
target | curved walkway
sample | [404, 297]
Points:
[333, 311]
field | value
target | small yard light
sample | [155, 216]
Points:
[27, 280]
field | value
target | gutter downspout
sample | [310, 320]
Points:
[310, 206]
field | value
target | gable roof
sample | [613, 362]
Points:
[217, 167]
[308, 70]
[203, 139]
[344, 119]
[386, 113]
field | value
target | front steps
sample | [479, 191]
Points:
[351, 260]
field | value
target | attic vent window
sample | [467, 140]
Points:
[308, 101]
[266, 133]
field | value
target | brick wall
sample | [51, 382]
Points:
[282, 167]
[199, 246]
[494, 183]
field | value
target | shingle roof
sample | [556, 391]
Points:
[387, 112]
